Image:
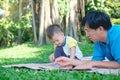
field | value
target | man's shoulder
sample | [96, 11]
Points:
[114, 31]
[115, 27]
[99, 43]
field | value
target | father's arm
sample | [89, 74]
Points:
[105, 64]
[99, 64]
[86, 64]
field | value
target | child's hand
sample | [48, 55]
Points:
[51, 57]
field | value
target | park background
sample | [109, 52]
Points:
[23, 37]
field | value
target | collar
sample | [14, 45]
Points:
[64, 42]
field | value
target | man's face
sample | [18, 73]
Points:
[92, 34]
[58, 39]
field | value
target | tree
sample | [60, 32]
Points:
[65, 13]
[20, 18]
[33, 22]
[73, 19]
[72, 22]
[41, 20]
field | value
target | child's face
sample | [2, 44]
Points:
[58, 39]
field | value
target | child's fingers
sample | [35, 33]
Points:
[51, 59]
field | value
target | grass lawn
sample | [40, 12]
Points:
[29, 53]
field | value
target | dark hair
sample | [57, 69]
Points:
[54, 28]
[96, 19]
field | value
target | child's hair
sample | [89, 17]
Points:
[54, 28]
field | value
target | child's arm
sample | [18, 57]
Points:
[72, 52]
[51, 57]
[72, 55]
[72, 43]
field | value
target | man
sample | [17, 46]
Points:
[106, 40]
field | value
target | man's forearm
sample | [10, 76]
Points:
[99, 64]
[79, 62]
[105, 64]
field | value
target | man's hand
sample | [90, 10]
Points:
[51, 57]
[63, 61]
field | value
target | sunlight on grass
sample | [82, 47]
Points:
[21, 51]
[27, 52]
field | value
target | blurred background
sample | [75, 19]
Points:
[26, 20]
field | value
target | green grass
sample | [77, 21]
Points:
[25, 53]
[28, 53]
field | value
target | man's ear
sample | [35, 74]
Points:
[100, 28]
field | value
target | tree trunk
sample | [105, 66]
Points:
[41, 27]
[37, 14]
[82, 6]
[47, 19]
[73, 24]
[77, 20]
[33, 22]
[48, 14]
[20, 17]
[55, 13]
[67, 24]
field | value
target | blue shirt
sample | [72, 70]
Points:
[110, 49]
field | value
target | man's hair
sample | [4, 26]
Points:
[52, 29]
[96, 19]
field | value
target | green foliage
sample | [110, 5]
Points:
[63, 7]
[111, 7]
[14, 1]
[116, 13]
[116, 10]
[6, 36]
[24, 23]
[115, 21]
[98, 5]
[86, 46]
[1, 2]
[9, 30]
